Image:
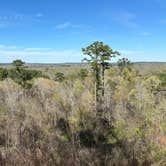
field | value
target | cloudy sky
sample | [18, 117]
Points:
[54, 31]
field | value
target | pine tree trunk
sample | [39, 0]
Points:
[103, 82]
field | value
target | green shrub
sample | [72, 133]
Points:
[162, 77]
[22, 75]
[3, 74]
[59, 77]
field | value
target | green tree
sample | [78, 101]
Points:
[124, 63]
[99, 56]
[18, 64]
[59, 77]
[21, 75]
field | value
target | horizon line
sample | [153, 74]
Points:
[59, 63]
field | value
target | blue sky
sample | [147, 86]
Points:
[54, 31]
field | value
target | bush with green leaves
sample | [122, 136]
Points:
[162, 77]
[59, 77]
[22, 75]
[3, 74]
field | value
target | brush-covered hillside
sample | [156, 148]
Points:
[94, 114]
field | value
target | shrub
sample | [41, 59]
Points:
[162, 77]
[22, 76]
[3, 74]
[59, 77]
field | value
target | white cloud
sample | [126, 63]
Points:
[7, 47]
[11, 19]
[125, 18]
[131, 52]
[39, 15]
[138, 56]
[145, 34]
[67, 25]
[37, 49]
[132, 55]
[48, 55]
[40, 55]
[63, 26]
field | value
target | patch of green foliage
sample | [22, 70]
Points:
[23, 75]
[3, 74]
[20, 74]
[162, 77]
[60, 77]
